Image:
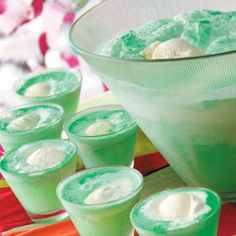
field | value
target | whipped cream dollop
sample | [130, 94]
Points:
[177, 206]
[25, 122]
[46, 157]
[173, 48]
[38, 90]
[109, 192]
[100, 127]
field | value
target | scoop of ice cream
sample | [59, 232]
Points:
[8, 116]
[100, 127]
[38, 90]
[178, 206]
[147, 52]
[173, 48]
[25, 122]
[109, 192]
[46, 157]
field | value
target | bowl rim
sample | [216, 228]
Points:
[99, 56]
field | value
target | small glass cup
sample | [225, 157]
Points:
[50, 130]
[110, 218]
[115, 148]
[204, 225]
[68, 99]
[37, 190]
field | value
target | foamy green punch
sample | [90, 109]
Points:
[61, 86]
[105, 135]
[24, 124]
[186, 106]
[33, 172]
[99, 200]
[150, 217]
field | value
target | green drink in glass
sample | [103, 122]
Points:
[33, 172]
[178, 212]
[105, 135]
[61, 86]
[29, 123]
[99, 200]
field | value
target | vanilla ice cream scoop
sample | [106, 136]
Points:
[109, 192]
[46, 157]
[100, 127]
[38, 90]
[25, 122]
[173, 48]
[177, 206]
[147, 52]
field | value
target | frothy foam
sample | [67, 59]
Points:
[173, 48]
[112, 191]
[101, 122]
[177, 206]
[38, 156]
[216, 37]
[101, 185]
[28, 118]
[178, 209]
[25, 122]
[49, 84]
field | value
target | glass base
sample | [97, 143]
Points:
[228, 197]
[49, 217]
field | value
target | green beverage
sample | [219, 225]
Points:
[29, 123]
[99, 200]
[61, 86]
[192, 119]
[33, 172]
[178, 212]
[172, 66]
[105, 135]
[177, 37]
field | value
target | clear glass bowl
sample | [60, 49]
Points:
[185, 106]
